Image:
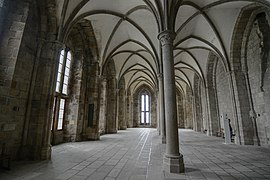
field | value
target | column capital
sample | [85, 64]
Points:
[166, 37]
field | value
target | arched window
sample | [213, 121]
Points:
[61, 90]
[145, 109]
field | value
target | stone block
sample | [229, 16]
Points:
[173, 164]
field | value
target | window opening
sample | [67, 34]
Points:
[145, 109]
[61, 89]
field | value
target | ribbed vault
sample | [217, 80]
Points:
[126, 34]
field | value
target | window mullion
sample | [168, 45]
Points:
[56, 113]
[144, 109]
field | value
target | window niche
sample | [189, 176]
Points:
[145, 105]
[61, 94]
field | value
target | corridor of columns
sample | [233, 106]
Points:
[136, 154]
[75, 72]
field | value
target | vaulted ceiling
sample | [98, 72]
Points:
[126, 32]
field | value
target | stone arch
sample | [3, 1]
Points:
[197, 103]
[122, 121]
[244, 114]
[214, 123]
[111, 101]
[255, 61]
[83, 88]
[137, 106]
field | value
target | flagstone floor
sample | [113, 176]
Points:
[136, 154]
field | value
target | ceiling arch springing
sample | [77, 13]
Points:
[139, 67]
[138, 82]
[126, 33]
[142, 73]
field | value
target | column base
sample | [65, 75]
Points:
[173, 164]
[46, 152]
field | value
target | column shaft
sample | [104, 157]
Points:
[162, 109]
[173, 160]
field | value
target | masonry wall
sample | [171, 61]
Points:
[136, 108]
[255, 74]
[204, 109]
[122, 108]
[188, 109]
[180, 110]
[154, 110]
[111, 126]
[18, 51]
[103, 103]
[223, 95]
[197, 125]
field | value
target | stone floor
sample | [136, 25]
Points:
[136, 154]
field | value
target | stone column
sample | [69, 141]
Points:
[131, 111]
[51, 80]
[117, 109]
[124, 103]
[158, 112]
[162, 109]
[102, 109]
[173, 160]
[252, 113]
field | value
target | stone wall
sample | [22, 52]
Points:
[24, 95]
[257, 80]
[122, 122]
[111, 124]
[205, 115]
[137, 107]
[223, 95]
[103, 104]
[188, 109]
[180, 110]
[197, 125]
[91, 132]
[153, 109]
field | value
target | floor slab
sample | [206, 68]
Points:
[137, 153]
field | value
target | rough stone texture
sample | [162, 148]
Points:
[223, 95]
[73, 114]
[211, 96]
[21, 59]
[111, 124]
[188, 109]
[102, 109]
[240, 79]
[197, 119]
[180, 110]
[255, 68]
[29, 50]
[122, 108]
[205, 118]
